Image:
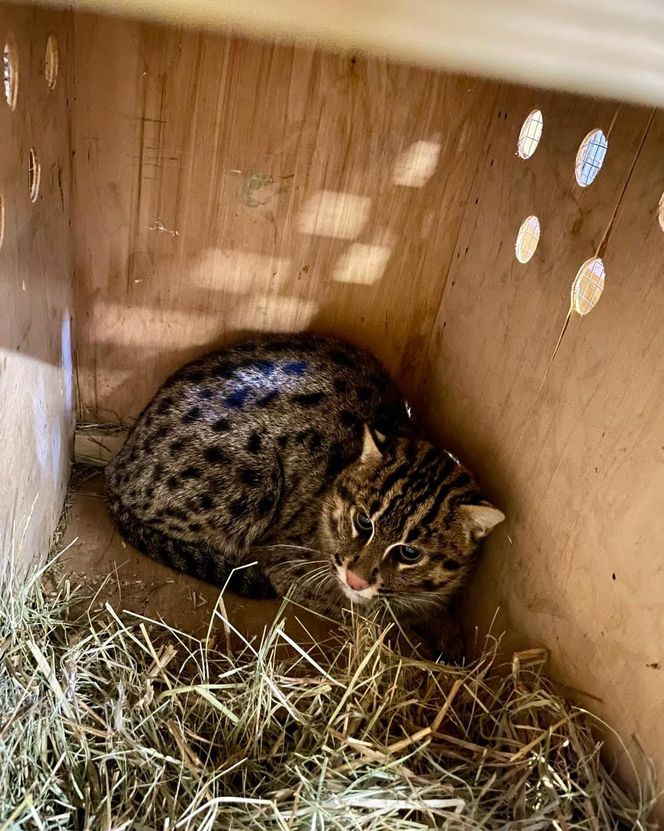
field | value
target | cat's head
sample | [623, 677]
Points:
[404, 521]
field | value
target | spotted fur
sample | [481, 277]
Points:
[273, 451]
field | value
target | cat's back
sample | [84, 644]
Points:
[303, 398]
[274, 378]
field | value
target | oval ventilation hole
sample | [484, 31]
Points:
[10, 71]
[51, 61]
[530, 135]
[588, 286]
[2, 221]
[590, 158]
[660, 212]
[527, 239]
[34, 174]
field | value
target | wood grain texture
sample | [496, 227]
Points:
[223, 186]
[600, 47]
[36, 383]
[574, 455]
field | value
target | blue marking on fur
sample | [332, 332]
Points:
[297, 368]
[236, 400]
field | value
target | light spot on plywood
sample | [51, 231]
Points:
[147, 328]
[334, 214]
[416, 165]
[67, 362]
[34, 175]
[363, 263]
[51, 61]
[269, 313]
[36, 456]
[157, 225]
[426, 228]
[239, 272]
[10, 71]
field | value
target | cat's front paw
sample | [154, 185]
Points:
[448, 650]
[436, 637]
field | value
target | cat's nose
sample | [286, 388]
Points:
[356, 582]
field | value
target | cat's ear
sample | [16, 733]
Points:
[482, 518]
[370, 449]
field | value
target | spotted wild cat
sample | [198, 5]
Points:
[298, 452]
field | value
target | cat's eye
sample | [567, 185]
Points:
[408, 554]
[363, 523]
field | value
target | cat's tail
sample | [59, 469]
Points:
[200, 560]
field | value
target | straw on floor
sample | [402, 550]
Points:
[110, 721]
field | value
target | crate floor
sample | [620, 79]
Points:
[97, 556]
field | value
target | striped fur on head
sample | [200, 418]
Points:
[405, 521]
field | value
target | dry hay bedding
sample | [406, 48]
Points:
[112, 721]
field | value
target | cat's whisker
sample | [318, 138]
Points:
[315, 575]
[310, 579]
[410, 603]
[325, 581]
[323, 567]
[308, 591]
[416, 598]
[324, 576]
[422, 598]
[290, 545]
[304, 560]
[299, 561]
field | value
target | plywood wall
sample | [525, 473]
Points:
[572, 442]
[36, 389]
[610, 48]
[225, 186]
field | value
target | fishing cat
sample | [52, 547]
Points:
[298, 452]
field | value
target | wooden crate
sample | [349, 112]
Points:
[198, 184]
